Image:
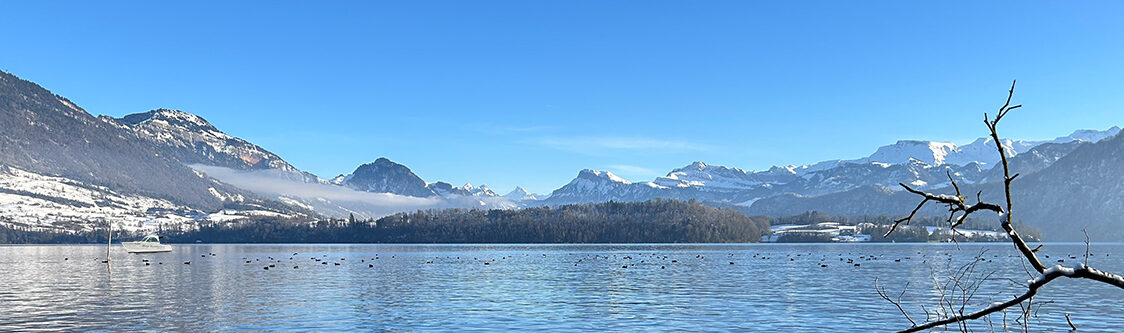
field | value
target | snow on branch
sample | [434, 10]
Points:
[1078, 272]
[956, 204]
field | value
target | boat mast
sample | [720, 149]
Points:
[109, 244]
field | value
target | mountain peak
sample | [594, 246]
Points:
[1088, 135]
[386, 176]
[791, 169]
[172, 117]
[520, 194]
[381, 162]
[931, 152]
[480, 191]
[446, 189]
[192, 140]
[601, 175]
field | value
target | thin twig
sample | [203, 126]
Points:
[1086, 246]
[882, 292]
[1079, 272]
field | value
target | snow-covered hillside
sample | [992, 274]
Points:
[193, 140]
[41, 202]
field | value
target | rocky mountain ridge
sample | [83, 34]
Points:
[61, 167]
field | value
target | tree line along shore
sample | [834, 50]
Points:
[654, 221]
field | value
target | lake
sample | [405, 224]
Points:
[646, 287]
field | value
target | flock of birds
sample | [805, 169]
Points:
[624, 260]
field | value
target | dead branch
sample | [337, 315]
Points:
[898, 303]
[1086, 246]
[1079, 272]
[956, 204]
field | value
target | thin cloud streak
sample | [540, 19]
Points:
[497, 129]
[593, 144]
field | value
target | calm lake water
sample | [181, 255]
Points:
[657, 287]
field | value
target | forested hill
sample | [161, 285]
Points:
[656, 221]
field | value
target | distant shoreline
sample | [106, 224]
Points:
[582, 244]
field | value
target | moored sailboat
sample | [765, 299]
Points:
[149, 244]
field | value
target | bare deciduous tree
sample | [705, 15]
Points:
[959, 209]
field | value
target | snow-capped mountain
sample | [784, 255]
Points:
[446, 189]
[193, 140]
[922, 164]
[981, 151]
[720, 178]
[1086, 135]
[738, 187]
[600, 186]
[968, 177]
[902, 152]
[43, 133]
[520, 194]
[386, 176]
[1081, 189]
[481, 191]
[65, 169]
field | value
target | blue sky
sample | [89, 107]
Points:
[530, 92]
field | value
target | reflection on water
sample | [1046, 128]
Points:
[525, 287]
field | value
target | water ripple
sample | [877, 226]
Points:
[568, 288]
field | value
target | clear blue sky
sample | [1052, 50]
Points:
[530, 92]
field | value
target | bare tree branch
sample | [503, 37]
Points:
[905, 219]
[1086, 246]
[882, 292]
[1007, 179]
[956, 204]
[1079, 272]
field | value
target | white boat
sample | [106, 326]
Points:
[150, 244]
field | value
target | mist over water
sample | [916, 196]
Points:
[768, 287]
[337, 201]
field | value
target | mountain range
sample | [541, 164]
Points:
[924, 165]
[62, 168]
